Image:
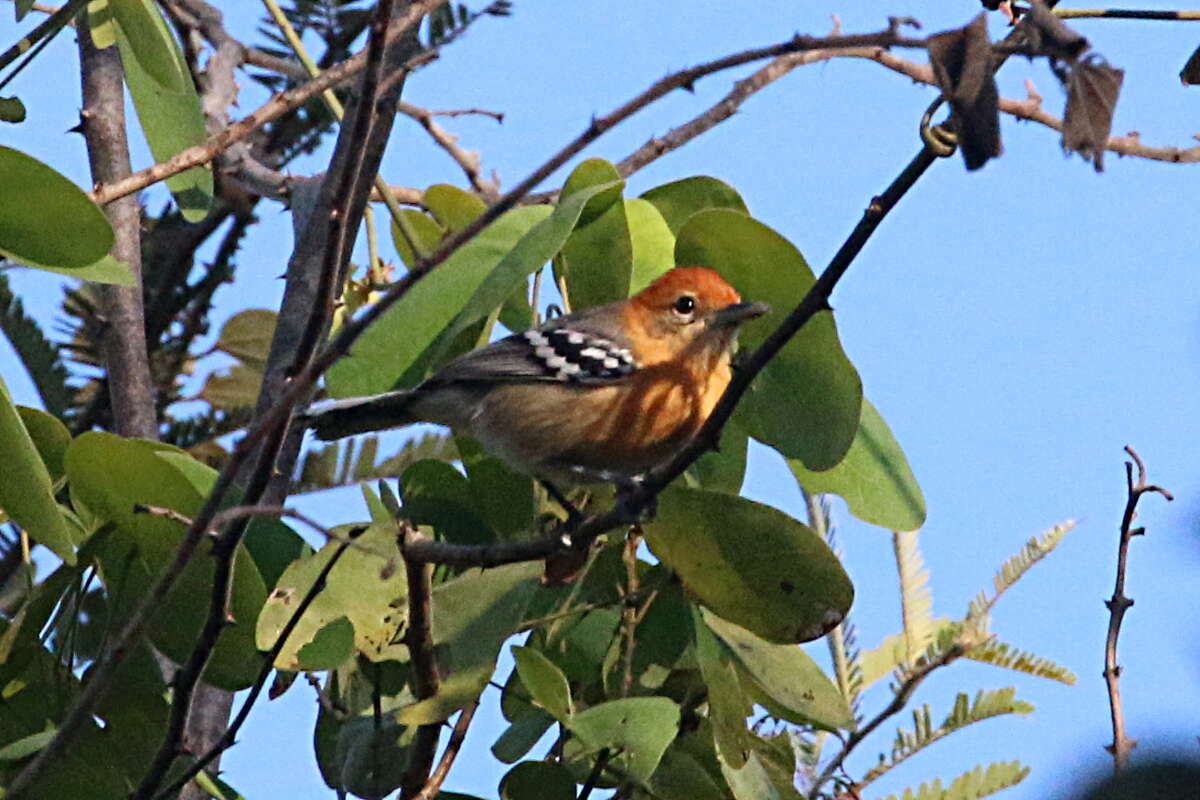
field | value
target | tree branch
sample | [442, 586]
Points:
[1118, 604]
[425, 680]
[434, 784]
[467, 160]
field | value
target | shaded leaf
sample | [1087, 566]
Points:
[353, 460]
[874, 478]
[247, 336]
[1092, 90]
[33, 219]
[38, 354]
[26, 490]
[962, 65]
[728, 705]
[504, 496]
[234, 388]
[109, 477]
[424, 231]
[806, 403]
[537, 780]
[635, 730]
[452, 207]
[751, 564]
[750, 781]
[329, 647]
[522, 734]
[438, 495]
[796, 688]
[106, 270]
[12, 110]
[49, 436]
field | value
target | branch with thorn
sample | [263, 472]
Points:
[1118, 604]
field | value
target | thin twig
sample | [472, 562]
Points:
[467, 160]
[1118, 604]
[1127, 13]
[594, 776]
[438, 777]
[629, 611]
[425, 680]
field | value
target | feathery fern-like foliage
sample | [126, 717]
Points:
[977, 783]
[1002, 654]
[987, 704]
[842, 640]
[38, 354]
[353, 461]
[916, 599]
[1014, 568]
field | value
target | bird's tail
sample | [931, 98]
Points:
[360, 415]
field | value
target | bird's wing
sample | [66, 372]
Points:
[566, 350]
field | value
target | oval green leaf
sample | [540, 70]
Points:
[751, 564]
[597, 258]
[545, 681]
[26, 491]
[786, 677]
[424, 231]
[42, 208]
[50, 437]
[807, 401]
[652, 241]
[165, 99]
[636, 731]
[537, 780]
[679, 200]
[453, 207]
[874, 478]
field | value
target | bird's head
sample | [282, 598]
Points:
[690, 309]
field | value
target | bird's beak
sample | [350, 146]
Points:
[736, 314]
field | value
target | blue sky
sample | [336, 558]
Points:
[1015, 326]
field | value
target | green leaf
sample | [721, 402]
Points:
[473, 615]
[27, 745]
[797, 689]
[635, 730]
[151, 43]
[521, 736]
[970, 785]
[372, 758]
[597, 258]
[545, 682]
[47, 219]
[537, 780]
[106, 270]
[165, 99]
[750, 781]
[504, 496]
[330, 646]
[393, 343]
[437, 494]
[109, 476]
[26, 490]
[725, 469]
[679, 200]
[12, 110]
[247, 336]
[425, 232]
[454, 208]
[874, 478]
[751, 564]
[653, 243]
[50, 437]
[893, 651]
[681, 777]
[365, 587]
[100, 24]
[807, 401]
[728, 705]
[273, 546]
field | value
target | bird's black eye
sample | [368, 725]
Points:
[685, 305]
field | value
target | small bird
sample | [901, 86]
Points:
[601, 395]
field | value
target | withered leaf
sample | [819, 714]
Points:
[1092, 89]
[1048, 35]
[962, 64]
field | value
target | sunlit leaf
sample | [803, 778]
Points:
[636, 731]
[679, 200]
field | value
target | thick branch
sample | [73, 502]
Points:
[1118, 604]
[438, 777]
